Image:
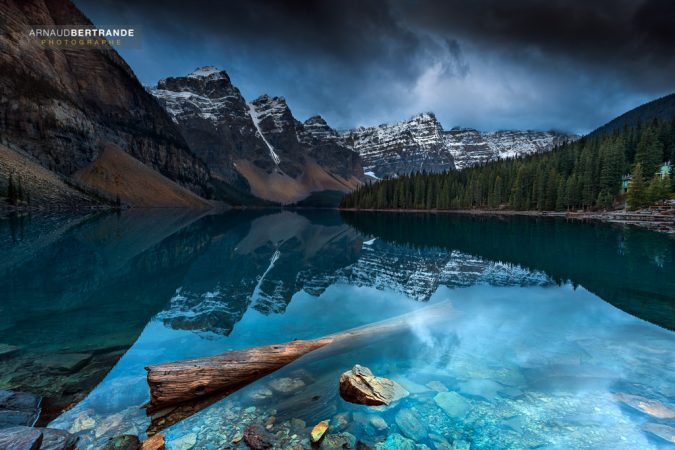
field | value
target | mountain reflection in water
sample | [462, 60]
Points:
[90, 300]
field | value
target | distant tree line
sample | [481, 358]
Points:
[586, 174]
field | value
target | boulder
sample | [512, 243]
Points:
[410, 425]
[20, 438]
[319, 430]
[360, 386]
[257, 438]
[123, 442]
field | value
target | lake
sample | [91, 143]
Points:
[558, 334]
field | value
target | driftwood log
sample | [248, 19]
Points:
[182, 384]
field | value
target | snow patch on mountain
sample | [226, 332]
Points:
[256, 122]
[421, 144]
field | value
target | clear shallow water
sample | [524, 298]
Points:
[552, 328]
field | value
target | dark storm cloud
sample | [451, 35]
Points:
[486, 63]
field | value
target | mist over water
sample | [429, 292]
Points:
[556, 331]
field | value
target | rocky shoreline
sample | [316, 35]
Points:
[655, 220]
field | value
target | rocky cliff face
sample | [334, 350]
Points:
[401, 148]
[470, 147]
[259, 147]
[63, 106]
[421, 144]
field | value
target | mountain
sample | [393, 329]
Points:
[401, 148]
[470, 147]
[661, 108]
[421, 144]
[60, 109]
[258, 148]
[585, 174]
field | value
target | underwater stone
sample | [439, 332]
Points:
[410, 425]
[319, 430]
[437, 386]
[123, 442]
[510, 393]
[340, 421]
[396, 442]
[648, 406]
[298, 424]
[286, 385]
[187, 442]
[360, 386]
[55, 439]
[377, 422]
[7, 350]
[453, 404]
[257, 438]
[155, 442]
[261, 393]
[20, 438]
[338, 441]
[665, 432]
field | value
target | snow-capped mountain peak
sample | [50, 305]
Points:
[209, 72]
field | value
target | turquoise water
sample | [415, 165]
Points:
[556, 334]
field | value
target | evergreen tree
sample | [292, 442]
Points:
[637, 191]
[649, 153]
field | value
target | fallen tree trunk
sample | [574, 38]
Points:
[178, 382]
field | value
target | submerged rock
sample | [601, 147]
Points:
[20, 438]
[54, 439]
[437, 386]
[298, 424]
[665, 432]
[123, 442]
[18, 409]
[319, 430]
[396, 442]
[512, 393]
[377, 422]
[186, 442]
[64, 362]
[648, 406]
[338, 441]
[286, 385]
[360, 386]
[486, 389]
[7, 350]
[257, 438]
[155, 442]
[340, 422]
[262, 393]
[410, 425]
[454, 405]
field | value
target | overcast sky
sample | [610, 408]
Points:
[488, 64]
